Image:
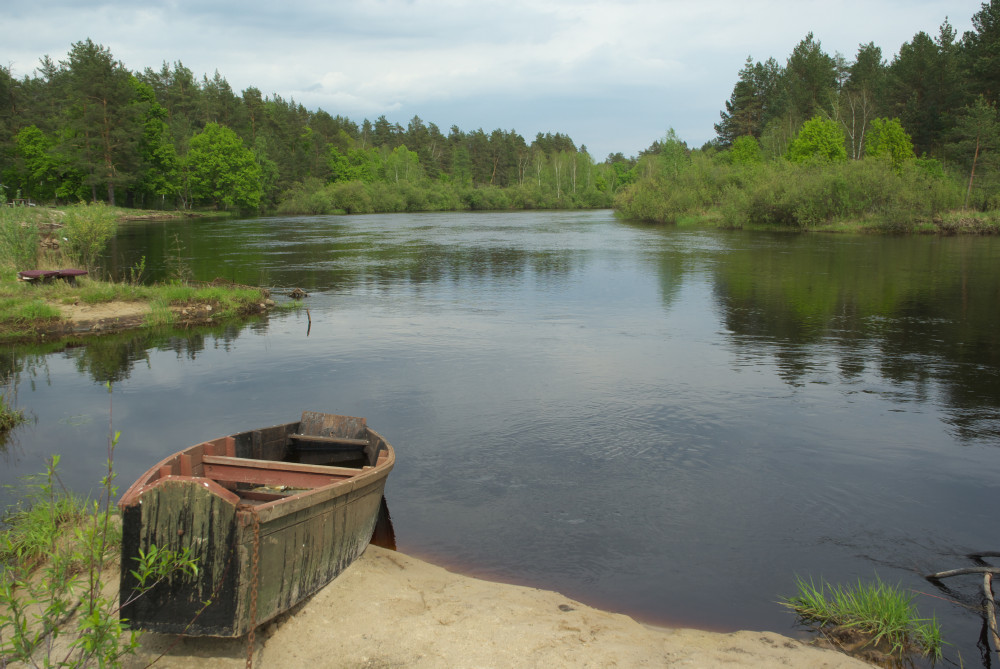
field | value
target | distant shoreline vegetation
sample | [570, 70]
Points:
[823, 143]
[819, 142]
[86, 129]
[739, 188]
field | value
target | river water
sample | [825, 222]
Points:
[672, 423]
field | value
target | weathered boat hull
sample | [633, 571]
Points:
[260, 551]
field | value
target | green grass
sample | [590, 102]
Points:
[56, 554]
[34, 524]
[26, 310]
[160, 316]
[879, 610]
[19, 311]
[975, 222]
[25, 307]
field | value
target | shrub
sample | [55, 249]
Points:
[352, 196]
[88, 230]
[55, 549]
[887, 139]
[818, 139]
[746, 151]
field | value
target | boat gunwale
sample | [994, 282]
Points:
[268, 510]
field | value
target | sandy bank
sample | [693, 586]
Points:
[392, 610]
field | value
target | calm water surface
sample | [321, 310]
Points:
[669, 423]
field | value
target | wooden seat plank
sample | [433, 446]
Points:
[338, 441]
[273, 465]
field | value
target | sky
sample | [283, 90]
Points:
[614, 76]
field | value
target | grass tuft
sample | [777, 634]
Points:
[35, 523]
[879, 610]
[160, 315]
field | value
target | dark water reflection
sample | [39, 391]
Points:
[670, 423]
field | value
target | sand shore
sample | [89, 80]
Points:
[392, 610]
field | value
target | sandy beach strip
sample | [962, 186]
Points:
[392, 610]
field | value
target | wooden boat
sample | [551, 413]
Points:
[271, 515]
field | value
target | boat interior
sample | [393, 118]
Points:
[276, 462]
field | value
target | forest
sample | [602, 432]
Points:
[87, 129]
[817, 139]
[821, 139]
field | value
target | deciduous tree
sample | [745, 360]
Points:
[888, 140]
[221, 170]
[746, 151]
[818, 139]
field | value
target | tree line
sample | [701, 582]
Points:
[88, 129]
[820, 139]
[933, 86]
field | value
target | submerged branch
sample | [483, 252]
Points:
[963, 570]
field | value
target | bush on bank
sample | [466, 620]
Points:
[358, 197]
[875, 193]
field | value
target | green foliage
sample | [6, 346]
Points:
[981, 56]
[88, 231]
[577, 187]
[930, 166]
[664, 195]
[673, 154]
[887, 139]
[356, 165]
[754, 101]
[878, 610]
[21, 311]
[403, 165]
[19, 238]
[818, 139]
[55, 551]
[174, 140]
[975, 146]
[746, 151]
[159, 176]
[37, 520]
[38, 169]
[783, 194]
[221, 170]
[100, 118]
[136, 272]
[810, 77]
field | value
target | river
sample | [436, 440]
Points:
[669, 422]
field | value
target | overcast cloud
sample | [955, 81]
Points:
[613, 75]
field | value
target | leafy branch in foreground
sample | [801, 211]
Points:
[881, 612]
[53, 606]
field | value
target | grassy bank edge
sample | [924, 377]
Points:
[949, 223]
[30, 312]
